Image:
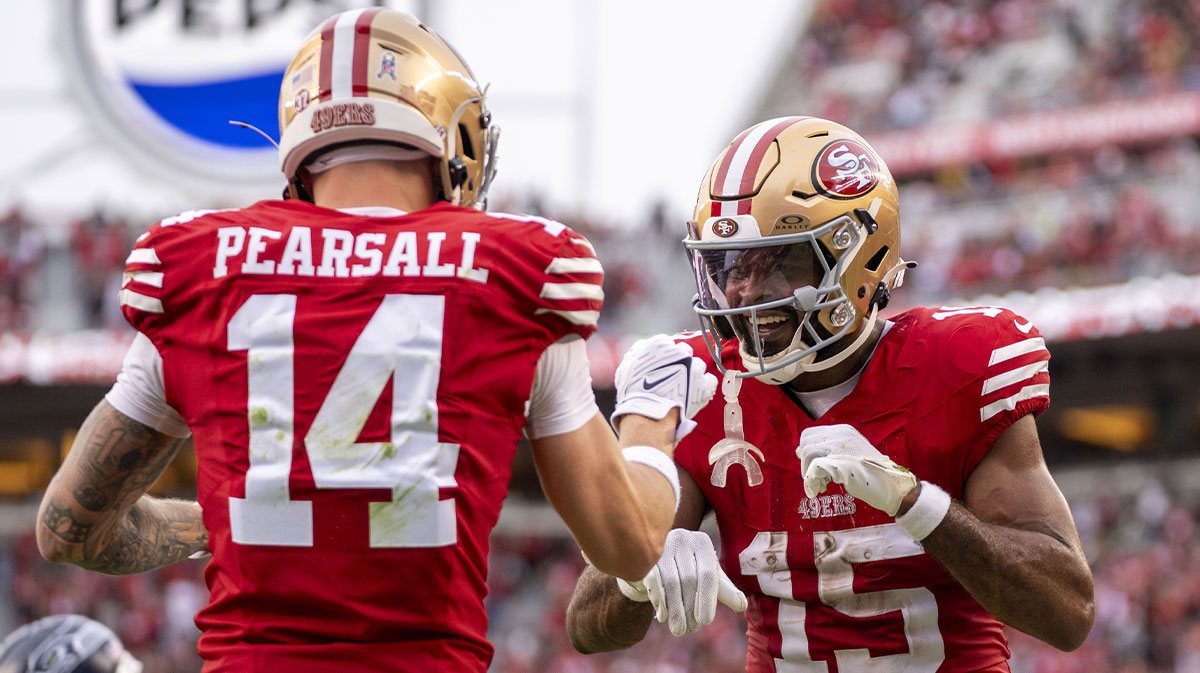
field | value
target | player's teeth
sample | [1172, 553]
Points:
[770, 320]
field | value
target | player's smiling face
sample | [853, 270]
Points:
[761, 275]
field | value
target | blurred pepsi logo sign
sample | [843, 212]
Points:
[166, 76]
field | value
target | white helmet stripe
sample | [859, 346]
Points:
[741, 158]
[341, 76]
[746, 158]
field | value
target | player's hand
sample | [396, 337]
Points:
[658, 375]
[839, 453]
[686, 584]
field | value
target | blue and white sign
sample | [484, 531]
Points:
[165, 77]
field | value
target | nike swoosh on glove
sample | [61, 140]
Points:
[839, 453]
[686, 584]
[658, 375]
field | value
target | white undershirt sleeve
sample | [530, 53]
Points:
[139, 392]
[562, 398]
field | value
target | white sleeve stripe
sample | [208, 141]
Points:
[572, 291]
[143, 256]
[141, 302]
[575, 265]
[1019, 348]
[1010, 403]
[583, 243]
[141, 238]
[1015, 376]
[574, 317]
[151, 278]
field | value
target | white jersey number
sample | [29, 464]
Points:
[403, 338]
[835, 554]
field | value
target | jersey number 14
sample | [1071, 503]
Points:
[403, 338]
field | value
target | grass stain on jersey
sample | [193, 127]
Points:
[259, 417]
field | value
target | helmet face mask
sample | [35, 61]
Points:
[810, 214]
[65, 644]
[381, 76]
[772, 291]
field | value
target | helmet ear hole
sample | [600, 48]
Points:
[468, 148]
[877, 259]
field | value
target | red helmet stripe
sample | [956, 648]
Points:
[760, 150]
[723, 171]
[324, 83]
[362, 51]
[740, 166]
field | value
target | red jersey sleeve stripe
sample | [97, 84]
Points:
[572, 291]
[140, 302]
[1015, 349]
[589, 318]
[1009, 403]
[151, 278]
[1015, 376]
[143, 256]
[564, 265]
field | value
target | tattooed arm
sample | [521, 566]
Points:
[96, 514]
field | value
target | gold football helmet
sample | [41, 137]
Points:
[795, 242]
[381, 76]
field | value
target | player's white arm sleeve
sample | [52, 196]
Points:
[139, 392]
[562, 398]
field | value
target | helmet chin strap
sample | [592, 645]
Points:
[805, 364]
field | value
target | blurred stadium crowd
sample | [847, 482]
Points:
[942, 60]
[1074, 220]
[1145, 553]
[1083, 218]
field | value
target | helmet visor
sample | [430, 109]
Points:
[730, 278]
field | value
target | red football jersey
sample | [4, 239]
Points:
[835, 585]
[356, 388]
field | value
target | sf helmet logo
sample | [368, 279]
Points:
[725, 228]
[845, 169]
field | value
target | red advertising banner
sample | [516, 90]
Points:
[1115, 123]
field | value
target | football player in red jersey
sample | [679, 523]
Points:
[356, 365]
[878, 485]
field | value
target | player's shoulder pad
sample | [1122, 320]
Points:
[550, 227]
[969, 335]
[978, 340]
[694, 340]
[146, 266]
[568, 277]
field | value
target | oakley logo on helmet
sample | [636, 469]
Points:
[725, 228]
[845, 169]
[343, 114]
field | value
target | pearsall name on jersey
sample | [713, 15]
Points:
[573, 291]
[343, 253]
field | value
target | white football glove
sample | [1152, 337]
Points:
[658, 375]
[686, 583]
[839, 453]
